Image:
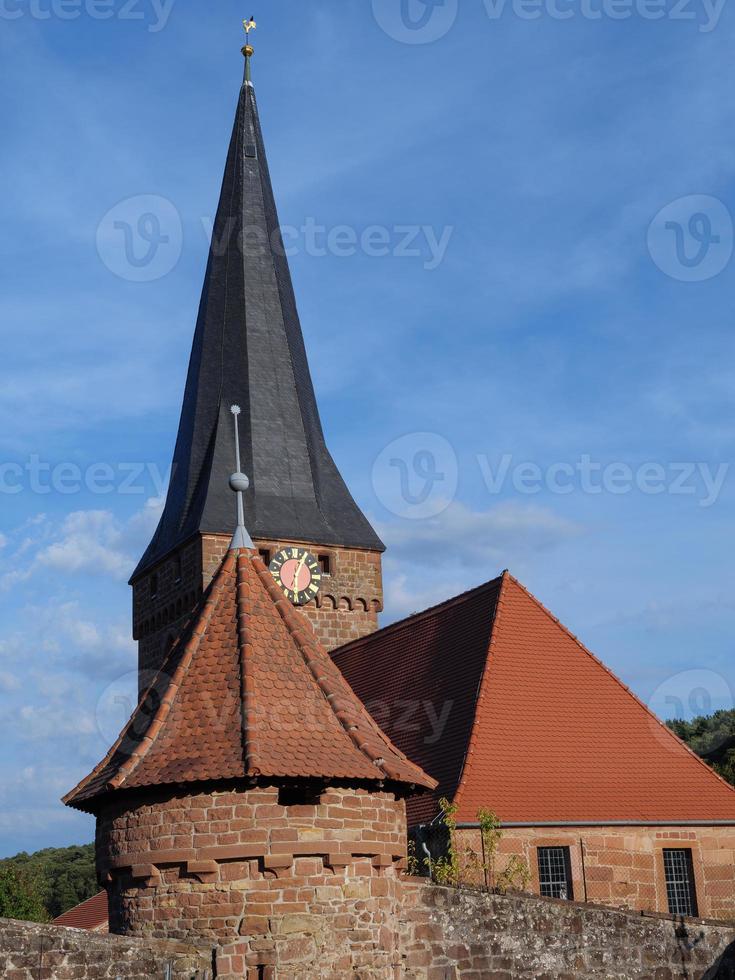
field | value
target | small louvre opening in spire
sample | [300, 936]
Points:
[251, 151]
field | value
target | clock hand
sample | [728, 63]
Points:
[297, 573]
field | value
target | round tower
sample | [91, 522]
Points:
[251, 801]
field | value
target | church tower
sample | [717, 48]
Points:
[249, 351]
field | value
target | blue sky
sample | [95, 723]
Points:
[554, 385]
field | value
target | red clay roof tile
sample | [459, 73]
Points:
[250, 692]
[92, 914]
[537, 728]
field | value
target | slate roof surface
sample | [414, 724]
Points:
[249, 691]
[249, 350]
[541, 730]
[92, 914]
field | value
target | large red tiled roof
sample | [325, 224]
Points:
[249, 692]
[420, 678]
[92, 914]
[542, 733]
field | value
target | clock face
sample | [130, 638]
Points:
[297, 572]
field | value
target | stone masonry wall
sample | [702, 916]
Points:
[380, 927]
[447, 934]
[309, 889]
[163, 600]
[45, 952]
[346, 608]
[624, 867]
[350, 598]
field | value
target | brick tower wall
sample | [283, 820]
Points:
[346, 608]
[307, 889]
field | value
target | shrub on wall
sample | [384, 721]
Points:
[461, 864]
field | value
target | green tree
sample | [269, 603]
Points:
[66, 875]
[713, 738]
[21, 894]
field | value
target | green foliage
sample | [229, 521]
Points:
[712, 736]
[64, 876]
[21, 894]
[515, 875]
[464, 866]
[446, 870]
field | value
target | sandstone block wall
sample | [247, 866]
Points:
[46, 952]
[163, 600]
[346, 608]
[448, 934]
[623, 866]
[350, 598]
[310, 889]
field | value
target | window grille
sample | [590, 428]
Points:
[555, 872]
[679, 873]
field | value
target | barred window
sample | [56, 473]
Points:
[680, 889]
[555, 872]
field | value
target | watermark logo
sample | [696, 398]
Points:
[691, 239]
[691, 694]
[154, 14]
[416, 476]
[415, 21]
[141, 238]
[117, 703]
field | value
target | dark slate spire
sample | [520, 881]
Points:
[249, 351]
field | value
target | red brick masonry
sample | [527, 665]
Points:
[274, 885]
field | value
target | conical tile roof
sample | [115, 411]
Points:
[248, 691]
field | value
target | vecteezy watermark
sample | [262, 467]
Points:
[703, 481]
[154, 14]
[691, 239]
[416, 476]
[416, 21]
[424, 21]
[690, 694]
[40, 477]
[424, 718]
[706, 13]
[341, 241]
[141, 238]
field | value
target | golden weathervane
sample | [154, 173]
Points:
[248, 50]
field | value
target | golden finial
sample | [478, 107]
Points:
[248, 50]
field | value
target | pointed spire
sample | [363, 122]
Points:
[249, 350]
[279, 707]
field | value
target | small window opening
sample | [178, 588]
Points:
[299, 795]
[265, 555]
[680, 888]
[555, 872]
[325, 564]
[154, 585]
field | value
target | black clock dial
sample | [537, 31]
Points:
[297, 572]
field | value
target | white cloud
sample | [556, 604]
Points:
[8, 682]
[480, 537]
[53, 721]
[88, 541]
